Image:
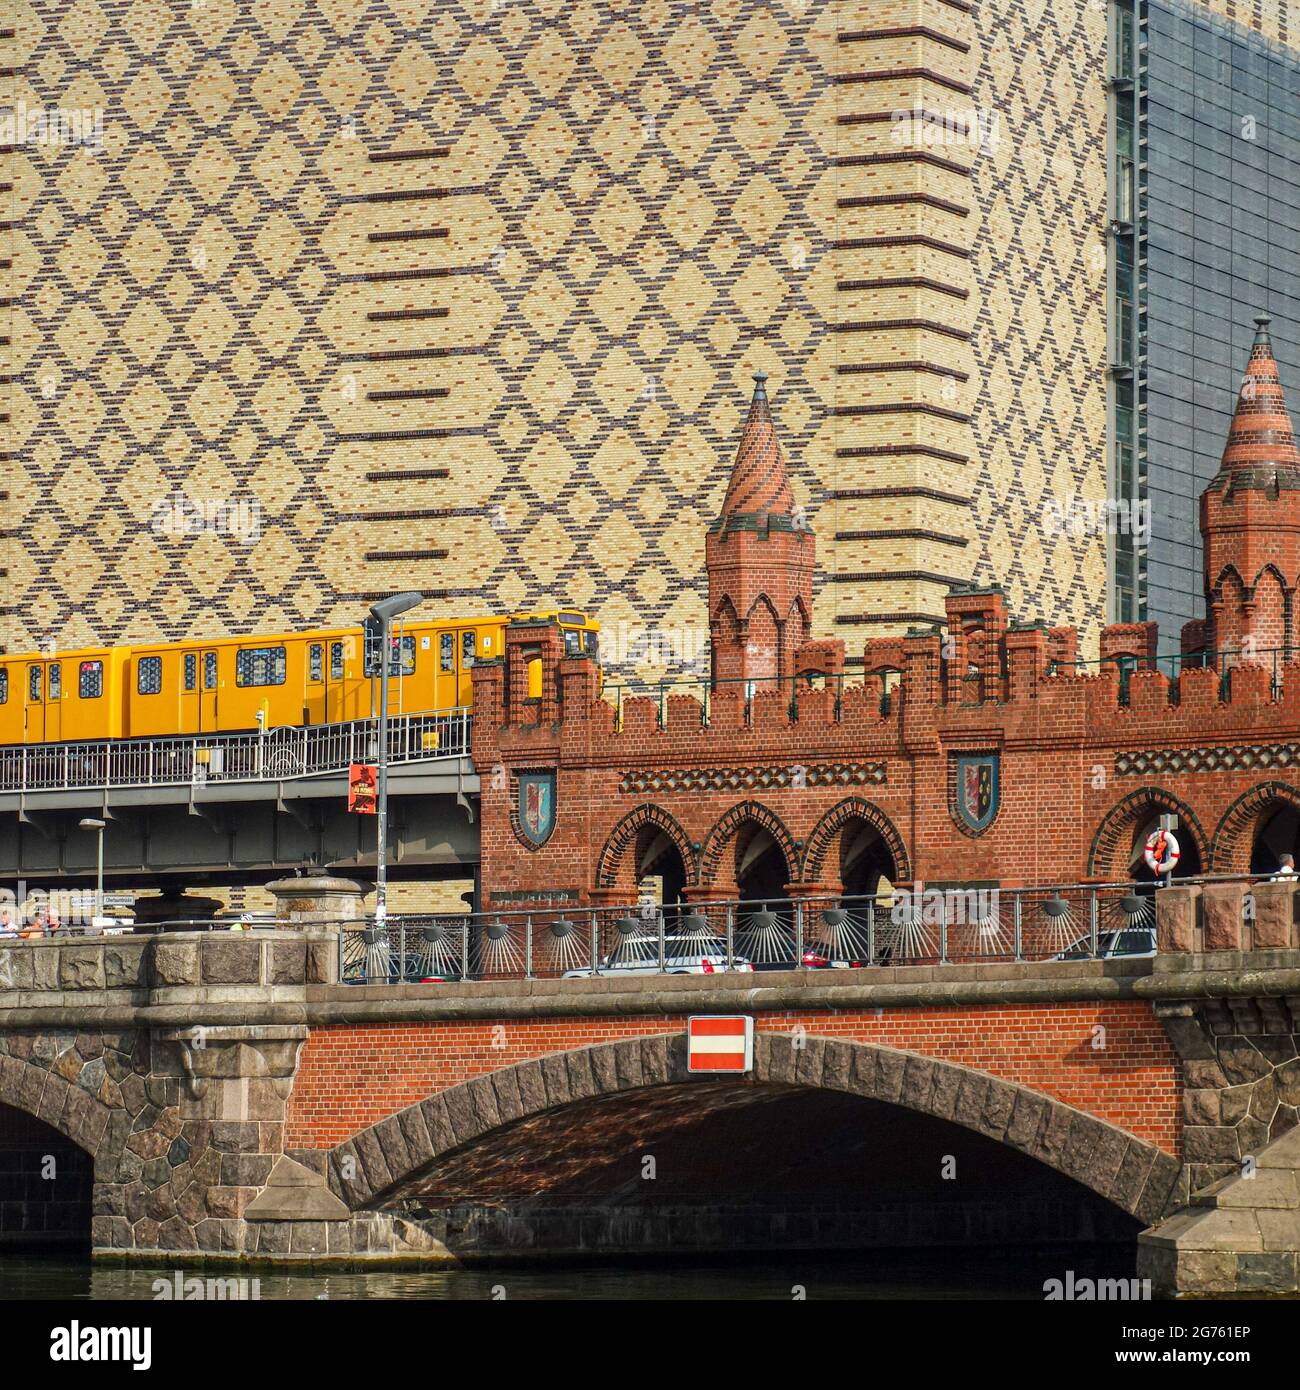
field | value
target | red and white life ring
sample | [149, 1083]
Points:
[1162, 853]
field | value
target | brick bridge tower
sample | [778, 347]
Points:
[1250, 521]
[760, 555]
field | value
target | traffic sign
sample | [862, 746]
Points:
[720, 1043]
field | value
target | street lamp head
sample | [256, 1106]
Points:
[388, 608]
[91, 824]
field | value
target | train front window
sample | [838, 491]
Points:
[34, 684]
[261, 666]
[90, 680]
[593, 644]
[148, 676]
[572, 642]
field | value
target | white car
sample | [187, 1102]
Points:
[683, 955]
[1129, 943]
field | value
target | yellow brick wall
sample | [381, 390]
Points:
[520, 359]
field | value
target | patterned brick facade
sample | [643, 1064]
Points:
[1080, 761]
[456, 297]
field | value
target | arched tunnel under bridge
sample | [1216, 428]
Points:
[699, 1165]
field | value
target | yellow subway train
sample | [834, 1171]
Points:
[233, 684]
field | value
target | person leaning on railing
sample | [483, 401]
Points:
[1286, 868]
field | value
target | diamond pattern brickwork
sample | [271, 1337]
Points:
[1039, 417]
[464, 296]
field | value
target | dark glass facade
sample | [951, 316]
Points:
[1219, 202]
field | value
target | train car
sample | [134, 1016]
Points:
[63, 696]
[268, 681]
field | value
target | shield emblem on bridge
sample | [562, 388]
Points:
[537, 805]
[975, 798]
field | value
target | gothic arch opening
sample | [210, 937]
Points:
[1258, 828]
[857, 846]
[759, 864]
[660, 870]
[1118, 848]
[1278, 833]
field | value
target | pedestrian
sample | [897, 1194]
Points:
[1286, 868]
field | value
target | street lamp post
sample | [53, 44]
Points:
[384, 612]
[90, 823]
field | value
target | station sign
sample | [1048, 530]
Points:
[720, 1044]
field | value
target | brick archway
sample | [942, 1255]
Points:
[1118, 822]
[1233, 836]
[822, 839]
[724, 833]
[623, 837]
[1132, 1173]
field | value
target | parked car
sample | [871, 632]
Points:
[683, 955]
[1128, 943]
[413, 971]
[815, 960]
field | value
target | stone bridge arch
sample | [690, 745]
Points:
[1133, 1174]
[70, 1109]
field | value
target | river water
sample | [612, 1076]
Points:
[878, 1275]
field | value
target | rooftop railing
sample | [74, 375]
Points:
[1173, 665]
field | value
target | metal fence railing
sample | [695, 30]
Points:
[931, 926]
[967, 925]
[277, 755]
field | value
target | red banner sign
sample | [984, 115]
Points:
[361, 789]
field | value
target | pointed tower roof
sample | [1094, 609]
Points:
[758, 495]
[1261, 439]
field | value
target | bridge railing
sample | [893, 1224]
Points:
[277, 755]
[974, 925]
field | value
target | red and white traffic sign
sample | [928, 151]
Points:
[720, 1043]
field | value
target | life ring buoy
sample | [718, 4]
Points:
[1162, 853]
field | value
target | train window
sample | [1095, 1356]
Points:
[191, 671]
[408, 656]
[34, 684]
[578, 619]
[317, 662]
[260, 666]
[467, 641]
[56, 681]
[593, 644]
[401, 655]
[4, 686]
[148, 676]
[209, 670]
[572, 642]
[336, 661]
[90, 680]
[446, 651]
